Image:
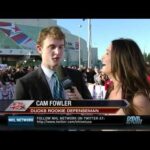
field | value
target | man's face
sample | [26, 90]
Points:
[51, 51]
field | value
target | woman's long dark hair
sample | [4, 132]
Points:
[128, 65]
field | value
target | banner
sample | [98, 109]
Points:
[13, 32]
[74, 122]
[61, 106]
[67, 115]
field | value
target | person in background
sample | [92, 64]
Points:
[97, 78]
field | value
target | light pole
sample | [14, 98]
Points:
[79, 47]
[89, 43]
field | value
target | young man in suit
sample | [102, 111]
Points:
[38, 83]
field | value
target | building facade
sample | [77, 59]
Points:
[18, 42]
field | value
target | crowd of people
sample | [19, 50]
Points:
[9, 75]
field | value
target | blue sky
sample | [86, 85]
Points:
[106, 30]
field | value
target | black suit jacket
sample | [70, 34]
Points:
[34, 85]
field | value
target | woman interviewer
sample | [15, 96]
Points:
[123, 62]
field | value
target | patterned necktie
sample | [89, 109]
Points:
[57, 88]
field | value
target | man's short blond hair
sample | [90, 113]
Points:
[53, 31]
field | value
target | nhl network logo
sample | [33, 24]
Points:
[134, 120]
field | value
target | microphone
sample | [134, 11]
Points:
[67, 84]
[65, 79]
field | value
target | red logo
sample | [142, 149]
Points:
[17, 106]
